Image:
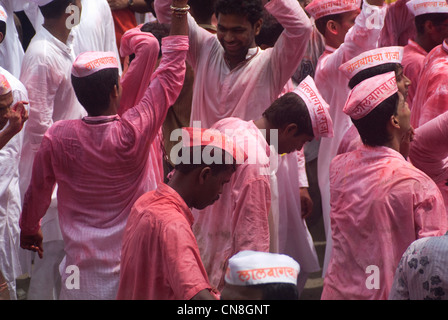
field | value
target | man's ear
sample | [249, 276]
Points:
[204, 174]
[332, 27]
[394, 122]
[290, 129]
[115, 91]
[257, 26]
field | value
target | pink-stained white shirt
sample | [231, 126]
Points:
[239, 220]
[100, 165]
[429, 151]
[333, 86]
[160, 256]
[10, 199]
[46, 74]
[380, 204]
[413, 58]
[431, 97]
[247, 90]
[134, 82]
[399, 25]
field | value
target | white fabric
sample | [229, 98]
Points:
[247, 268]
[419, 7]
[11, 50]
[333, 86]
[10, 200]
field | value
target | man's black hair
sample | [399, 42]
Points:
[278, 291]
[373, 71]
[93, 91]
[287, 109]
[252, 9]
[373, 127]
[3, 28]
[436, 18]
[55, 9]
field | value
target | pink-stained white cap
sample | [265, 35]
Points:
[247, 268]
[419, 7]
[3, 14]
[5, 87]
[368, 94]
[42, 3]
[88, 63]
[317, 108]
[372, 58]
[321, 8]
[194, 137]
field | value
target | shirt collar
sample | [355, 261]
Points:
[101, 119]
[445, 46]
[65, 47]
[166, 191]
[417, 47]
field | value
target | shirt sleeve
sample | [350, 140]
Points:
[186, 275]
[292, 44]
[432, 161]
[148, 115]
[250, 223]
[37, 79]
[38, 196]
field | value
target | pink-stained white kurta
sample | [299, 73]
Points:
[46, 74]
[399, 25]
[100, 165]
[431, 97]
[134, 82]
[333, 86]
[239, 220]
[10, 200]
[429, 151]
[160, 256]
[11, 50]
[413, 58]
[95, 32]
[247, 90]
[380, 204]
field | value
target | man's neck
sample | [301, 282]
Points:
[179, 184]
[57, 29]
[424, 42]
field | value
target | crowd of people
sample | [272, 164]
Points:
[175, 149]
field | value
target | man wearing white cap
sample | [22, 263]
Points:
[246, 206]
[348, 32]
[431, 22]
[46, 75]
[100, 166]
[253, 275]
[364, 66]
[160, 258]
[380, 203]
[13, 114]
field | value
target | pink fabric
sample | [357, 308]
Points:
[101, 169]
[333, 86]
[399, 25]
[351, 141]
[247, 90]
[431, 96]
[134, 84]
[88, 63]
[380, 205]
[413, 58]
[368, 94]
[428, 158]
[239, 219]
[160, 256]
[321, 8]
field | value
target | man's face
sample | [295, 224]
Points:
[441, 33]
[403, 82]
[403, 114]
[347, 21]
[6, 101]
[212, 188]
[289, 142]
[236, 34]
